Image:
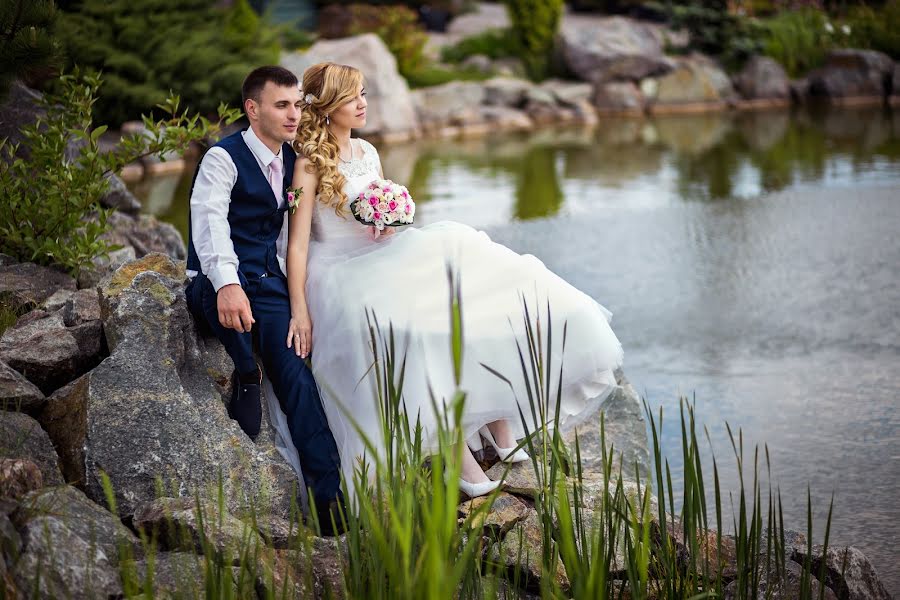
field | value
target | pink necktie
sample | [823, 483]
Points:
[276, 179]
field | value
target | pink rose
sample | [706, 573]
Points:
[290, 196]
[377, 216]
[407, 209]
[373, 200]
[392, 205]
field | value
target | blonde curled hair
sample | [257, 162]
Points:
[327, 87]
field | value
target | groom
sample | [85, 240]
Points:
[236, 248]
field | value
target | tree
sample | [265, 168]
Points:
[28, 50]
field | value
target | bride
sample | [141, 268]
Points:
[338, 269]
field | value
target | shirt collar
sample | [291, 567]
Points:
[258, 148]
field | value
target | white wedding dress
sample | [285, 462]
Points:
[402, 280]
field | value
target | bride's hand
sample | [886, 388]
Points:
[300, 334]
[374, 234]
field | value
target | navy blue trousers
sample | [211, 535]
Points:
[291, 378]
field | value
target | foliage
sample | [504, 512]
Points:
[876, 29]
[434, 75]
[534, 26]
[799, 40]
[28, 50]
[713, 29]
[51, 184]
[150, 47]
[493, 43]
[398, 27]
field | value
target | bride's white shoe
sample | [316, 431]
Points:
[506, 454]
[473, 490]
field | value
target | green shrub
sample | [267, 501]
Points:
[145, 49]
[50, 209]
[399, 28]
[28, 50]
[875, 29]
[493, 43]
[799, 40]
[534, 26]
[434, 75]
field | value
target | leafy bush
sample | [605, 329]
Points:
[493, 43]
[534, 26]
[875, 29]
[434, 75]
[799, 40]
[399, 28]
[27, 49]
[50, 209]
[145, 49]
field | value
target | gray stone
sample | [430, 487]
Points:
[506, 118]
[519, 479]
[17, 393]
[895, 80]
[145, 234]
[624, 427]
[485, 16]
[176, 525]
[175, 574]
[505, 511]
[24, 286]
[391, 113]
[478, 62]
[118, 196]
[89, 521]
[63, 417]
[763, 78]
[506, 91]
[47, 351]
[613, 48]
[456, 101]
[788, 587]
[521, 550]
[618, 97]
[851, 73]
[18, 476]
[101, 266]
[22, 437]
[154, 409]
[847, 571]
[568, 93]
[695, 80]
[62, 563]
[509, 66]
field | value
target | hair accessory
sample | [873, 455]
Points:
[327, 120]
[309, 98]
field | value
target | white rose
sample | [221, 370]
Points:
[382, 206]
[388, 218]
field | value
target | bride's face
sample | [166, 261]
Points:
[352, 115]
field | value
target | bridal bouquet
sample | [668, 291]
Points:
[384, 203]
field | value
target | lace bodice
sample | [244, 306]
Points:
[335, 235]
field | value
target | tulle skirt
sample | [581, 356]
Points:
[402, 282]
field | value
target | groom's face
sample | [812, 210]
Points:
[277, 112]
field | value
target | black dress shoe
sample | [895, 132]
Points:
[244, 406]
[332, 516]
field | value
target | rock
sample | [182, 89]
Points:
[391, 114]
[847, 571]
[102, 266]
[18, 476]
[509, 66]
[17, 393]
[770, 587]
[520, 479]
[618, 97]
[85, 519]
[319, 563]
[47, 351]
[64, 419]
[478, 62]
[613, 48]
[485, 16]
[521, 550]
[118, 196]
[695, 82]
[453, 102]
[568, 93]
[59, 563]
[24, 286]
[505, 91]
[154, 409]
[82, 307]
[502, 515]
[508, 119]
[145, 234]
[895, 80]
[624, 427]
[850, 74]
[176, 525]
[763, 78]
[175, 574]
[22, 437]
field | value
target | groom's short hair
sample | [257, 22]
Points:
[258, 77]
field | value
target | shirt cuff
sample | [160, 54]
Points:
[224, 275]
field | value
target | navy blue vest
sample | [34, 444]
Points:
[253, 215]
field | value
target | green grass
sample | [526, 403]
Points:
[405, 538]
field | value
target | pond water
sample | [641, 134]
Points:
[752, 263]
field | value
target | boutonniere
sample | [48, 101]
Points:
[293, 198]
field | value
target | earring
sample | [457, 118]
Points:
[327, 120]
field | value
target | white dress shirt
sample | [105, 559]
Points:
[209, 212]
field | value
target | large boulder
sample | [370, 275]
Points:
[391, 115]
[763, 78]
[696, 82]
[18, 476]
[849, 74]
[24, 286]
[617, 97]
[786, 587]
[153, 411]
[119, 197]
[51, 349]
[520, 550]
[82, 517]
[22, 437]
[146, 234]
[17, 393]
[451, 103]
[505, 91]
[847, 571]
[613, 48]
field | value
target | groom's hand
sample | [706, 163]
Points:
[234, 308]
